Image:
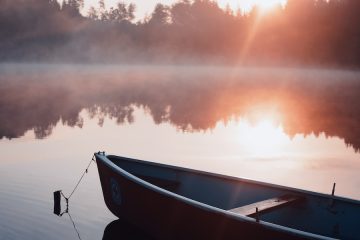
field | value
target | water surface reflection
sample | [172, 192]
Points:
[292, 127]
[124, 229]
[191, 99]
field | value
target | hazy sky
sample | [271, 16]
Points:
[146, 6]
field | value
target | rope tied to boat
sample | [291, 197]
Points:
[59, 193]
[82, 176]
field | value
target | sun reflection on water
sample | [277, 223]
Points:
[262, 139]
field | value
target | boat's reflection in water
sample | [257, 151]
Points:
[117, 229]
[121, 229]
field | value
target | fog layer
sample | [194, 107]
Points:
[190, 98]
[304, 32]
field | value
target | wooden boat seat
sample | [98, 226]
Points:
[266, 205]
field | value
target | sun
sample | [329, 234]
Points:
[266, 5]
[247, 5]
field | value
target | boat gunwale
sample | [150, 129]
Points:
[201, 205]
[245, 180]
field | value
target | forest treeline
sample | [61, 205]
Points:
[306, 32]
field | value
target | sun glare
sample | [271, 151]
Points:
[247, 5]
[266, 5]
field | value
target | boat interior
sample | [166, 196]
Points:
[306, 211]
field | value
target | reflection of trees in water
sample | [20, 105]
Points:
[122, 114]
[191, 100]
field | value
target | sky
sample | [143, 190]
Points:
[145, 7]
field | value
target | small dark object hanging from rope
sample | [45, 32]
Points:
[57, 209]
[59, 193]
[57, 203]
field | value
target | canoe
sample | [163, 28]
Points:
[170, 202]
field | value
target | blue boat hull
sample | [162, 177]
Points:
[165, 215]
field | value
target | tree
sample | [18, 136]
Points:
[160, 15]
[122, 12]
[73, 7]
[93, 14]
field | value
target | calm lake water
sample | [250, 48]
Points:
[293, 127]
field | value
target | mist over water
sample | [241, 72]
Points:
[267, 95]
[298, 33]
[191, 98]
[303, 124]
